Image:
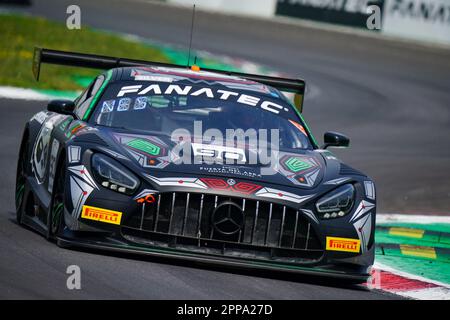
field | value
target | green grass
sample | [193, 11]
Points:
[20, 34]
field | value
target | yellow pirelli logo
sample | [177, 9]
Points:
[343, 244]
[102, 215]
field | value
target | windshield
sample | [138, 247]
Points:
[164, 108]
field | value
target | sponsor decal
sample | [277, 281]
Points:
[102, 215]
[343, 244]
[39, 117]
[206, 92]
[140, 103]
[40, 156]
[108, 106]
[152, 78]
[140, 75]
[430, 11]
[52, 169]
[211, 152]
[346, 12]
[230, 170]
[124, 104]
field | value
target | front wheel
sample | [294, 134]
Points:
[21, 178]
[55, 216]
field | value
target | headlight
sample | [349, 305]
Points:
[336, 203]
[113, 175]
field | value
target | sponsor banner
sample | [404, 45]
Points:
[345, 12]
[102, 215]
[427, 20]
[343, 244]
[258, 8]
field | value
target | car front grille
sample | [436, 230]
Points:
[185, 221]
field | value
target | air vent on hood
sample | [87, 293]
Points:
[346, 170]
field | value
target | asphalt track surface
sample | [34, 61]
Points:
[391, 99]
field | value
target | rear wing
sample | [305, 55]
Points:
[76, 59]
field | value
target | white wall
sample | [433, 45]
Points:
[426, 20]
[259, 8]
[403, 18]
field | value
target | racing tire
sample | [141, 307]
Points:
[21, 178]
[55, 215]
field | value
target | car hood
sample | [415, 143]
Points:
[156, 155]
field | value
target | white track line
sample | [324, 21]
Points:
[437, 293]
[410, 218]
[404, 274]
[21, 93]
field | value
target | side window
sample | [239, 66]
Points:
[85, 99]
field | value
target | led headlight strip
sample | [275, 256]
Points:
[336, 203]
[113, 175]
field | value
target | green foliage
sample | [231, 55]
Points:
[19, 35]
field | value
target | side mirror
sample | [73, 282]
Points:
[61, 106]
[334, 139]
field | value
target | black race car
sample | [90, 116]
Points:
[204, 165]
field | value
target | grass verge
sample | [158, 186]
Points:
[20, 34]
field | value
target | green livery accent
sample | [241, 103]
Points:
[305, 125]
[296, 164]
[97, 96]
[145, 146]
[74, 128]
[57, 210]
[19, 194]
[64, 124]
[58, 207]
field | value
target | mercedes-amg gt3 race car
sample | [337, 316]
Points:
[139, 163]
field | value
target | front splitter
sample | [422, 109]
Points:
[235, 263]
